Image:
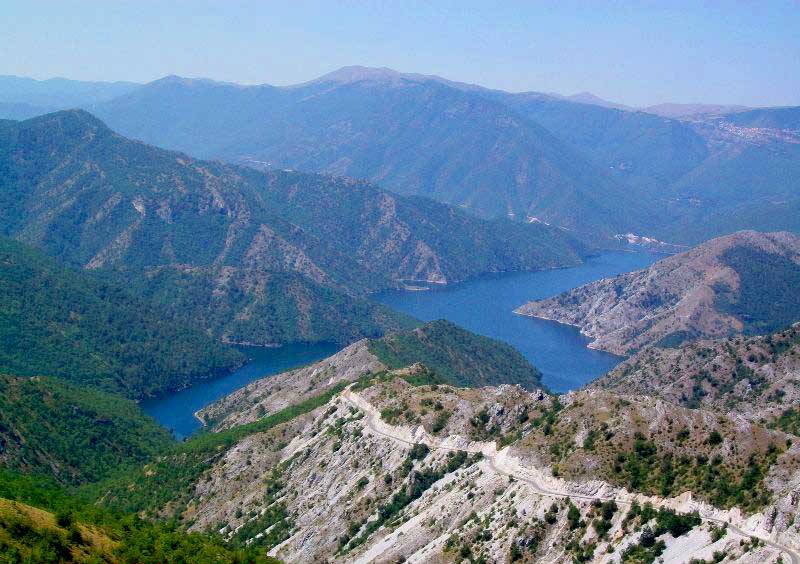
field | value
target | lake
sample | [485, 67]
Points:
[484, 305]
[176, 411]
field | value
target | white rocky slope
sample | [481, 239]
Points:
[342, 465]
[676, 296]
[274, 393]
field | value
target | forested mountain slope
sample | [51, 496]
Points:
[66, 322]
[42, 522]
[71, 433]
[411, 134]
[530, 155]
[741, 283]
[460, 357]
[253, 257]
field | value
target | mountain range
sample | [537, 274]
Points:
[135, 255]
[587, 167]
[252, 257]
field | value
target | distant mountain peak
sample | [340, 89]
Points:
[186, 81]
[593, 100]
[73, 117]
[355, 73]
[358, 73]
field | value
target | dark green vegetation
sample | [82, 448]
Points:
[170, 477]
[158, 475]
[249, 257]
[457, 355]
[275, 518]
[653, 524]
[282, 307]
[75, 434]
[65, 322]
[767, 299]
[789, 421]
[647, 468]
[66, 529]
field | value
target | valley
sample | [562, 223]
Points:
[432, 306]
[485, 306]
[176, 411]
[559, 352]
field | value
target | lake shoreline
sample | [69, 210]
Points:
[483, 305]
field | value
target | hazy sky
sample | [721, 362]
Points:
[633, 52]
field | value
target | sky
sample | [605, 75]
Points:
[638, 53]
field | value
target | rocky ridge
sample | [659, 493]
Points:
[757, 377]
[351, 481]
[259, 257]
[679, 298]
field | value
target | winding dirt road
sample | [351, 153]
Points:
[497, 461]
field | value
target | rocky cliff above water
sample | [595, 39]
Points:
[740, 283]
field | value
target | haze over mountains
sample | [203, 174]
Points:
[134, 256]
[587, 167]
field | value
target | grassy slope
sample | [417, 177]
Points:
[168, 479]
[42, 523]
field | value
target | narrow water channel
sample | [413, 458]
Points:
[483, 305]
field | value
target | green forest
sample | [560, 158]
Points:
[767, 298]
[90, 329]
[72, 433]
[457, 355]
[40, 522]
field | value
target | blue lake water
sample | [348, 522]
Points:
[484, 305]
[176, 412]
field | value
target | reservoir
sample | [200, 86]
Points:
[176, 411]
[483, 305]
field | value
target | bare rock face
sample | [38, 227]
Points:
[674, 300]
[274, 393]
[394, 470]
